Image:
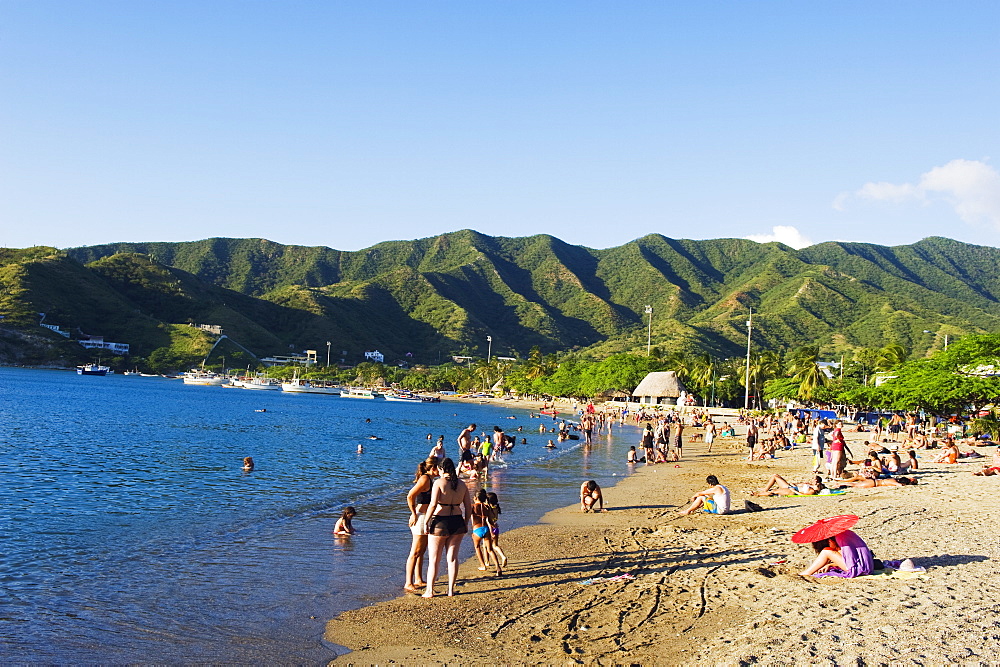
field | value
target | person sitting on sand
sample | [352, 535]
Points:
[715, 499]
[343, 526]
[949, 454]
[777, 486]
[248, 463]
[843, 555]
[590, 494]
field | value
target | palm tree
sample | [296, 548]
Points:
[890, 355]
[804, 367]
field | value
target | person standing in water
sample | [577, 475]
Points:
[451, 508]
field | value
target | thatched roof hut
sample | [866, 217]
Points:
[659, 388]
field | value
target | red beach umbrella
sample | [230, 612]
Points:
[825, 528]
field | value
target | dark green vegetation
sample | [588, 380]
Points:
[440, 296]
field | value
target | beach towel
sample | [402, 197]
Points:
[857, 556]
[821, 494]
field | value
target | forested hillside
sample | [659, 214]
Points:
[443, 295]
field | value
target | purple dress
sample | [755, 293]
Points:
[857, 557]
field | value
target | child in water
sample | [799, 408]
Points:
[344, 526]
[248, 463]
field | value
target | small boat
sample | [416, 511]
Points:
[358, 392]
[205, 378]
[261, 382]
[299, 386]
[135, 372]
[93, 369]
[403, 397]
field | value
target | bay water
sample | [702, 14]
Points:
[130, 533]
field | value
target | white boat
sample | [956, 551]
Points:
[299, 386]
[358, 392]
[260, 382]
[135, 372]
[205, 378]
[93, 369]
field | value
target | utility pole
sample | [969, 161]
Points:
[649, 329]
[327, 354]
[746, 395]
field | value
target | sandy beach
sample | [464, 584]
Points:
[716, 589]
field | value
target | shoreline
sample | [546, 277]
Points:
[707, 588]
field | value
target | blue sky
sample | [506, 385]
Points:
[346, 124]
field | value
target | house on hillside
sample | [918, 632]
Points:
[661, 388]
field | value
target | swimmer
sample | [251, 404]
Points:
[368, 420]
[361, 448]
[551, 445]
[374, 437]
[248, 463]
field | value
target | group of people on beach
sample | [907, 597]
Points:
[442, 507]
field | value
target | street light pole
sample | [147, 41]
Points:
[649, 328]
[746, 395]
[489, 350]
[327, 354]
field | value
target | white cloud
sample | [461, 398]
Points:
[790, 236]
[971, 187]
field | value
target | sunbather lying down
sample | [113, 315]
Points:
[864, 483]
[778, 486]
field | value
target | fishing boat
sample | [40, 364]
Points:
[402, 397]
[299, 386]
[358, 392]
[261, 382]
[93, 369]
[205, 378]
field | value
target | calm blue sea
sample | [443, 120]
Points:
[129, 532]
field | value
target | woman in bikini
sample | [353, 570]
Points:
[418, 499]
[482, 535]
[778, 486]
[451, 508]
[872, 483]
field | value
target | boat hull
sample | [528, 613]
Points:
[309, 389]
[92, 369]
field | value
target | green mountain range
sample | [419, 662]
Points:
[444, 295]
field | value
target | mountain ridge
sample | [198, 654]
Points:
[444, 294]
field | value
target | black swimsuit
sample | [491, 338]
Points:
[448, 525]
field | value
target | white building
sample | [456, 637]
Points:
[98, 343]
[375, 355]
[306, 358]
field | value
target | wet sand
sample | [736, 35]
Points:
[715, 589]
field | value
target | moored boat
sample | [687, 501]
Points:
[299, 386]
[205, 378]
[358, 392]
[261, 382]
[403, 397]
[93, 369]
